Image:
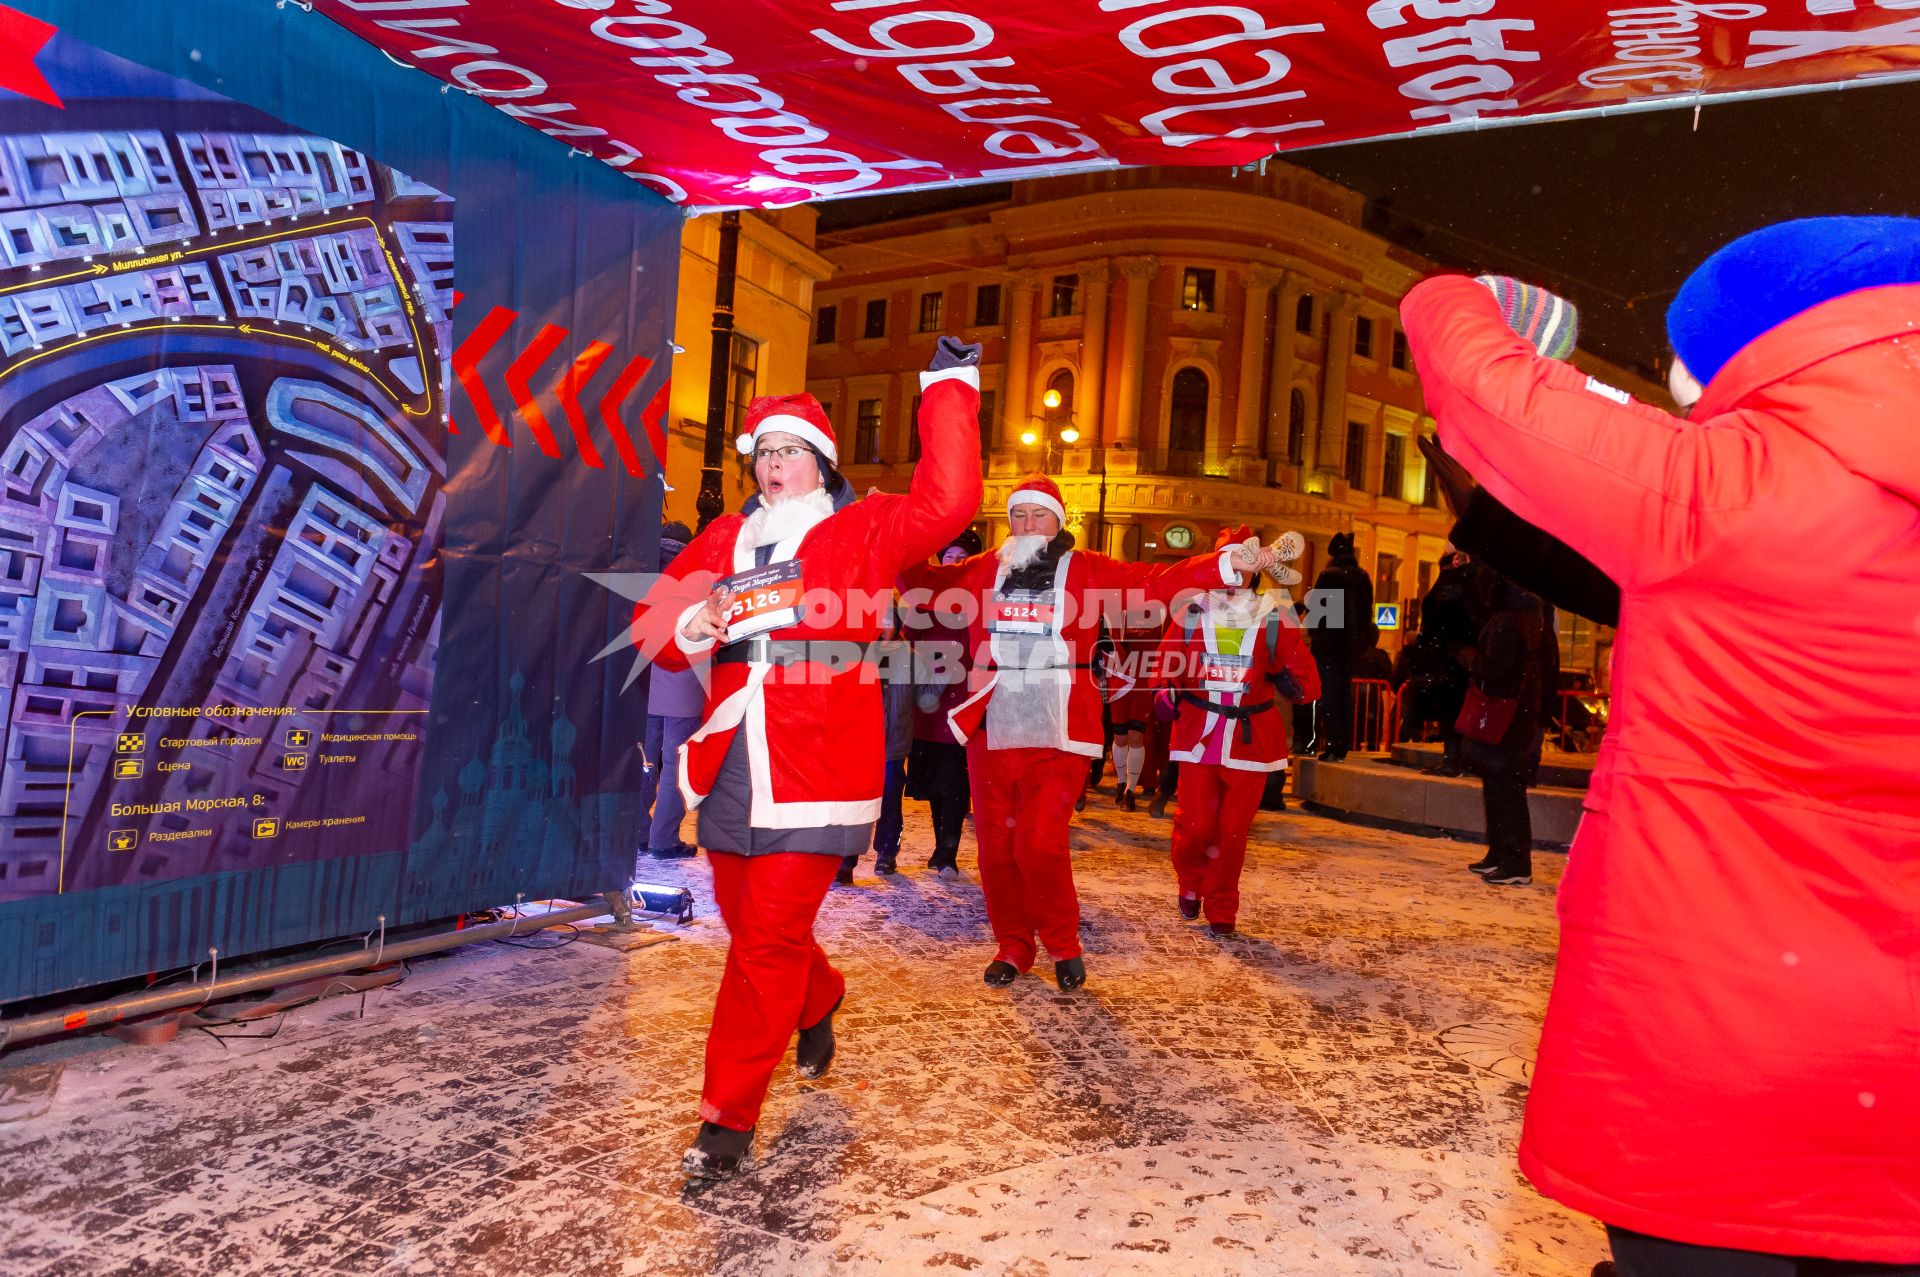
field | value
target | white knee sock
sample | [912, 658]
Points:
[1133, 759]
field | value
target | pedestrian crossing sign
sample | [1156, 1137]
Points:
[1386, 616]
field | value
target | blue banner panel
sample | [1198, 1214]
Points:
[315, 426]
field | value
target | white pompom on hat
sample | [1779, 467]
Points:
[798, 415]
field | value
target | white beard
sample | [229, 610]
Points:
[1233, 609]
[1017, 552]
[774, 522]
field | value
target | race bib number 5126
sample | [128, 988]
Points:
[763, 599]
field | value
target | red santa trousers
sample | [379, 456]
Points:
[777, 978]
[1022, 805]
[1217, 805]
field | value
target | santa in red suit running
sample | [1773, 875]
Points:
[1229, 670]
[786, 769]
[1033, 718]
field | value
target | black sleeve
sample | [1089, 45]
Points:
[1503, 657]
[1535, 560]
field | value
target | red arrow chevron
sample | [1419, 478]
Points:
[544, 343]
[21, 40]
[630, 377]
[569, 394]
[466, 362]
[653, 418]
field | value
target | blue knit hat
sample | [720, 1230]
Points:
[1765, 278]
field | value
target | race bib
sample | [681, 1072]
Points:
[1021, 612]
[763, 599]
[1225, 671]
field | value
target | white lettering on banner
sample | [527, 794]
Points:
[1657, 47]
[467, 73]
[450, 44]
[1467, 86]
[679, 55]
[441, 37]
[389, 6]
[1788, 46]
[1393, 13]
[951, 73]
[1190, 29]
[541, 114]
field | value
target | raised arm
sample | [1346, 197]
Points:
[944, 494]
[1638, 492]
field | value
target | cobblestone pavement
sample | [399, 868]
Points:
[1337, 1090]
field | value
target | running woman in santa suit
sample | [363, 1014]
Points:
[1229, 670]
[787, 768]
[1033, 718]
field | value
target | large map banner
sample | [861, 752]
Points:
[278, 647]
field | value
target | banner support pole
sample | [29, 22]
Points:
[711, 503]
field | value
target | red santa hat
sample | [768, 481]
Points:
[798, 415]
[1041, 491]
[1230, 537]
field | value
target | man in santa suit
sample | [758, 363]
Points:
[787, 767]
[1229, 669]
[1032, 719]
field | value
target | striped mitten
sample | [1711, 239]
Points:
[1549, 322]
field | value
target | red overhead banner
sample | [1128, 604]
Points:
[758, 102]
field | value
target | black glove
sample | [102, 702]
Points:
[1288, 686]
[951, 352]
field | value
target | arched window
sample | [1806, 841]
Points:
[1297, 427]
[1057, 402]
[1187, 412]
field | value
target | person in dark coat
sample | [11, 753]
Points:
[1510, 666]
[1436, 678]
[1339, 649]
[937, 760]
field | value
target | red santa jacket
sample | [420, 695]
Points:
[1731, 1056]
[816, 744]
[1246, 699]
[1096, 586]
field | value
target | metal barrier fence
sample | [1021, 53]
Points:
[1376, 716]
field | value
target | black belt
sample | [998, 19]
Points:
[763, 651]
[1243, 714]
[1035, 669]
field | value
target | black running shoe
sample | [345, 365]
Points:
[1070, 974]
[814, 1052]
[718, 1152]
[1000, 974]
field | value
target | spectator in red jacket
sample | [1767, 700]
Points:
[1729, 1074]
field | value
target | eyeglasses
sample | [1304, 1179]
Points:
[792, 452]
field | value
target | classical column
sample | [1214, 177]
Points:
[1280, 378]
[1258, 282]
[1133, 351]
[1096, 278]
[1013, 395]
[1344, 307]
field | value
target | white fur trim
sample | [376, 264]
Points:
[1229, 575]
[765, 812]
[968, 373]
[797, 426]
[1033, 496]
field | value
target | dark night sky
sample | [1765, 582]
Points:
[1617, 209]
